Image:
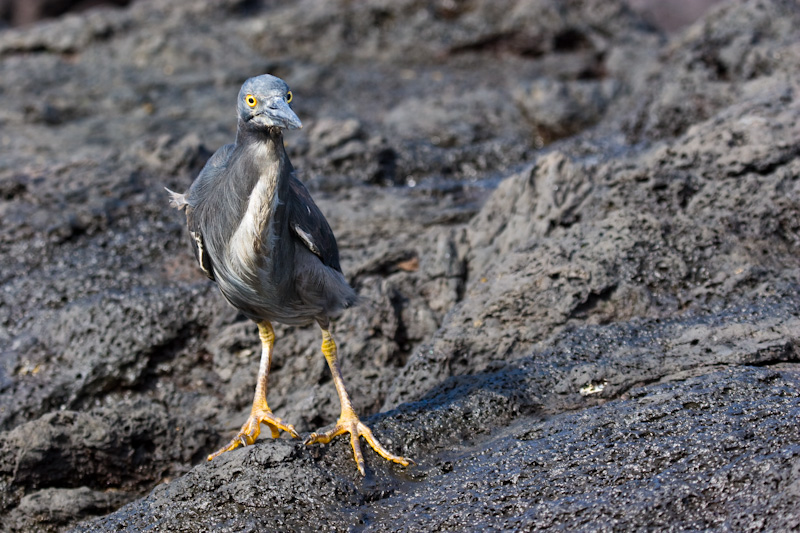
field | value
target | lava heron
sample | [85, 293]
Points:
[256, 232]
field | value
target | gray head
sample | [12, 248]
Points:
[264, 103]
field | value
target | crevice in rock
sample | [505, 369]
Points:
[594, 298]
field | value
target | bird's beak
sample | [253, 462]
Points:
[281, 115]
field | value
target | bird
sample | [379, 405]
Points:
[256, 232]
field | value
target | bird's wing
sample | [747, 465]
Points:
[198, 245]
[309, 225]
[213, 168]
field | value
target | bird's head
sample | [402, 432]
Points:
[264, 103]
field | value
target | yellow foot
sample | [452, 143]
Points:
[351, 424]
[252, 428]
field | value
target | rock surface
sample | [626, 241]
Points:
[575, 241]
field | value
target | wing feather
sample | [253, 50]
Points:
[211, 171]
[309, 225]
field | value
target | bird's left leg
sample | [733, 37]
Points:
[348, 420]
[260, 412]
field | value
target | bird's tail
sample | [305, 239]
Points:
[177, 200]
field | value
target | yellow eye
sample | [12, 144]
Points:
[289, 97]
[251, 100]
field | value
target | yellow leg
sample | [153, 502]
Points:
[348, 420]
[260, 413]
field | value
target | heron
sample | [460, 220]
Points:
[256, 232]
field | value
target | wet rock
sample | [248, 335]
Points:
[652, 433]
[653, 460]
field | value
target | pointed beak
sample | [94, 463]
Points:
[279, 114]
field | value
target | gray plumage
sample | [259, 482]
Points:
[257, 232]
[255, 229]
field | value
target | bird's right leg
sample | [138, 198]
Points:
[260, 413]
[348, 420]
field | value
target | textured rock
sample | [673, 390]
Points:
[496, 453]
[574, 240]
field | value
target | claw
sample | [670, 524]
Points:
[349, 423]
[252, 428]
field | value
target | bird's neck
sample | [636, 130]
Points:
[272, 137]
[263, 167]
[266, 154]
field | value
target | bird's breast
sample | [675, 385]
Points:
[248, 247]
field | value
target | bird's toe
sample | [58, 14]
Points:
[252, 429]
[351, 424]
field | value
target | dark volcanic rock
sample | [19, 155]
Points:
[653, 458]
[574, 240]
[22, 12]
[715, 63]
